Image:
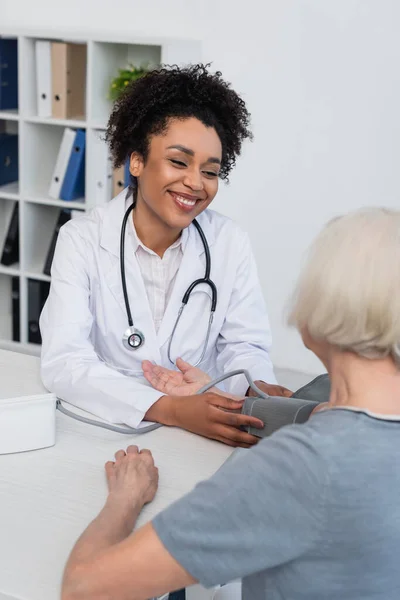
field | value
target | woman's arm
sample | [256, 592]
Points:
[258, 512]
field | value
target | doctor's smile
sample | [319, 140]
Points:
[184, 201]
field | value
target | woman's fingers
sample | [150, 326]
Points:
[109, 466]
[119, 454]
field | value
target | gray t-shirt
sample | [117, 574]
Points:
[310, 513]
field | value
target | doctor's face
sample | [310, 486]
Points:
[179, 178]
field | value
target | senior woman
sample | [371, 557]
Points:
[312, 511]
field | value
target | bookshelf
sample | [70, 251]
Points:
[38, 143]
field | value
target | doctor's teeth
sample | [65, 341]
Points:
[186, 201]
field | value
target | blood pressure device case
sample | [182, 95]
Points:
[27, 422]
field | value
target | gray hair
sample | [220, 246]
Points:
[348, 293]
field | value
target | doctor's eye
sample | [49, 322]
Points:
[179, 163]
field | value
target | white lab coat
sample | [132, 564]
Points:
[83, 359]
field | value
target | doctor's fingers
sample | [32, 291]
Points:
[161, 373]
[238, 420]
[160, 381]
[224, 401]
[234, 437]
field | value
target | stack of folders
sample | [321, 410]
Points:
[8, 158]
[15, 308]
[68, 180]
[8, 74]
[37, 296]
[60, 79]
[63, 217]
[10, 251]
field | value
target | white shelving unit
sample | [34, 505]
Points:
[39, 140]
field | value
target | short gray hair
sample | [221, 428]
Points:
[348, 293]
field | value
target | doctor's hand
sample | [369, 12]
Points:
[218, 417]
[185, 382]
[271, 389]
[211, 415]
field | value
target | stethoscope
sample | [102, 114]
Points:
[133, 338]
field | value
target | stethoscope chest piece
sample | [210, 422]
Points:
[133, 338]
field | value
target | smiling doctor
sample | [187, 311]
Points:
[181, 130]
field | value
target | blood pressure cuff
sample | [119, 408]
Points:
[277, 411]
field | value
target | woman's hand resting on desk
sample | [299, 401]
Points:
[213, 415]
[132, 477]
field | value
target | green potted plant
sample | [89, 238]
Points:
[124, 77]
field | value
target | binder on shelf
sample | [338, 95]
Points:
[15, 303]
[43, 77]
[10, 253]
[68, 76]
[8, 158]
[73, 185]
[61, 165]
[103, 177]
[8, 74]
[37, 295]
[121, 178]
[63, 218]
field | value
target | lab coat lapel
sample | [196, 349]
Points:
[192, 268]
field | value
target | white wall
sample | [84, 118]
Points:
[322, 80]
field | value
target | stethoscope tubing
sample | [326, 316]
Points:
[133, 338]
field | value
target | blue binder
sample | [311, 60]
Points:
[8, 158]
[73, 185]
[8, 74]
[127, 175]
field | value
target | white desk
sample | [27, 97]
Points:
[48, 497]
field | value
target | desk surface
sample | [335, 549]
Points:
[48, 497]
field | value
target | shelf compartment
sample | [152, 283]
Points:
[107, 58]
[9, 304]
[10, 191]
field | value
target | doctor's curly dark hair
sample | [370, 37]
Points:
[147, 104]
